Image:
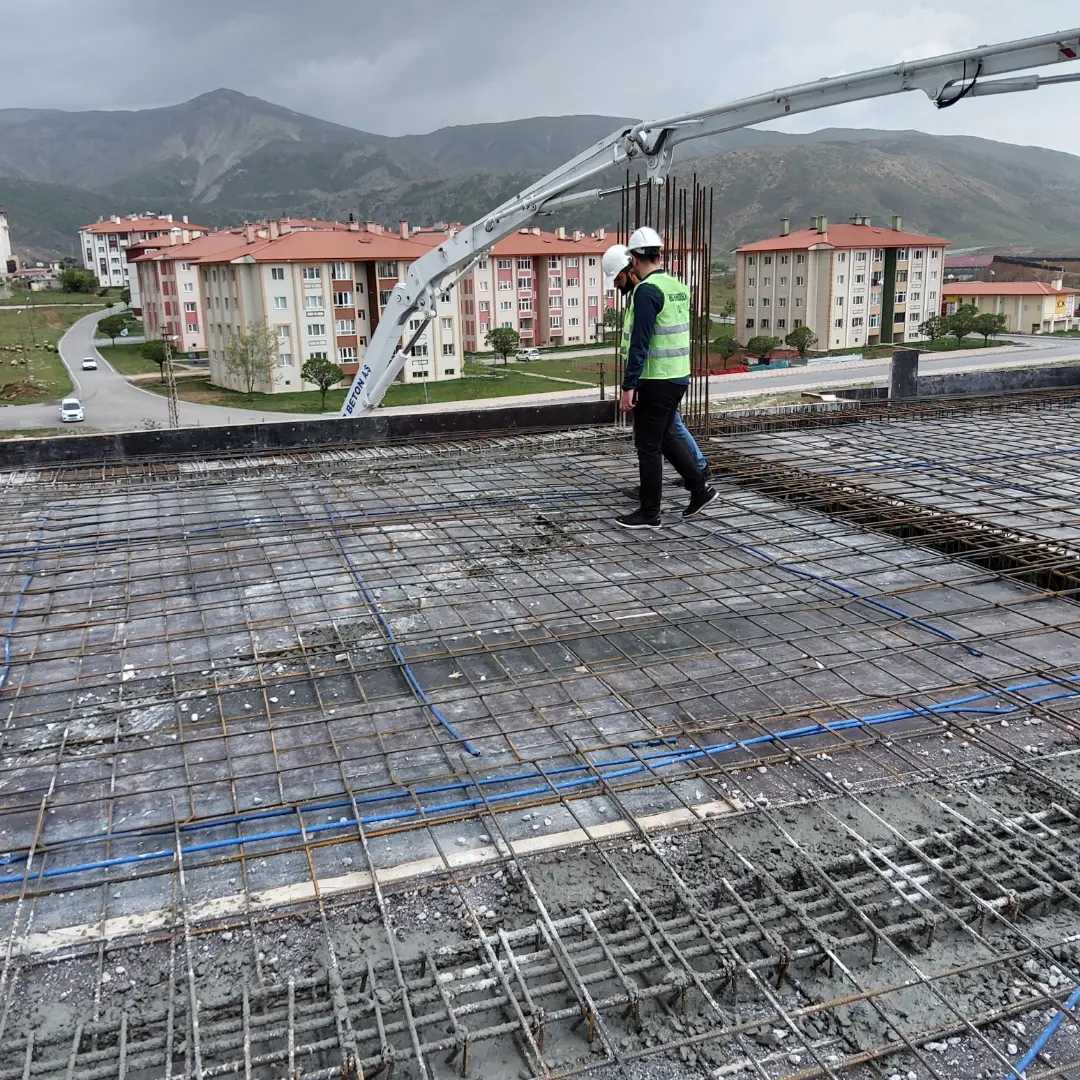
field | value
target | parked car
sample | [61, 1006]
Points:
[89, 363]
[71, 410]
[528, 354]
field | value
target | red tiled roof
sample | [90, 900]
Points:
[141, 224]
[525, 242]
[1004, 288]
[210, 244]
[844, 236]
[319, 246]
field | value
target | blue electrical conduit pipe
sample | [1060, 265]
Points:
[613, 770]
[1047, 1033]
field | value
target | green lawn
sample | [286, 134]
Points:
[128, 360]
[49, 296]
[43, 377]
[480, 382]
[48, 432]
[581, 369]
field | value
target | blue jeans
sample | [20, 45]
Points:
[680, 431]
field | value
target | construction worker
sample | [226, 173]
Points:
[655, 380]
[616, 264]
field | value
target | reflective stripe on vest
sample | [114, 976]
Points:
[669, 346]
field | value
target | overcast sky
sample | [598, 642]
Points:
[398, 66]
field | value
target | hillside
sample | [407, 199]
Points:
[224, 156]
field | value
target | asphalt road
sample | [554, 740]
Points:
[113, 404]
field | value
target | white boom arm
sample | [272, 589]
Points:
[944, 79]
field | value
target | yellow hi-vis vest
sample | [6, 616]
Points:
[669, 346]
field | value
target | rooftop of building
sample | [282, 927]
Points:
[843, 236]
[141, 223]
[1004, 288]
[824, 747]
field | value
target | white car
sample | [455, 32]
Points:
[528, 354]
[71, 410]
[89, 363]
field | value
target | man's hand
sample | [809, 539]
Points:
[626, 400]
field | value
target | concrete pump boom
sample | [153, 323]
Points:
[946, 80]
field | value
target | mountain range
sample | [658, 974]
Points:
[225, 156]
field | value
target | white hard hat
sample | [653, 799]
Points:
[643, 238]
[616, 259]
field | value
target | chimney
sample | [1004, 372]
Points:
[116, 218]
[249, 232]
[823, 224]
[560, 233]
[285, 226]
[896, 223]
[1057, 283]
[354, 225]
[536, 230]
[184, 219]
[275, 231]
[403, 228]
[168, 217]
[578, 234]
[601, 233]
[785, 226]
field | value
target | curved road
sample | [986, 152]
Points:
[111, 403]
[114, 404]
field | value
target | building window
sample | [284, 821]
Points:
[555, 321]
[751, 282]
[898, 317]
[313, 302]
[524, 264]
[766, 282]
[841, 256]
[281, 303]
[901, 275]
[764, 324]
[934, 253]
[592, 261]
[189, 286]
[386, 269]
[783, 260]
[781, 323]
[343, 299]
[505, 286]
[316, 329]
[573, 282]
[901, 254]
[447, 325]
[384, 297]
[448, 350]
[839, 279]
[555, 283]
[749, 324]
[573, 301]
[796, 323]
[749, 301]
[312, 273]
[277, 273]
[781, 301]
[346, 352]
[189, 306]
[914, 316]
[767, 260]
[524, 283]
[764, 301]
[799, 259]
[506, 305]
[553, 262]
[857, 320]
[859, 279]
[504, 264]
[839, 323]
[449, 371]
[359, 288]
[420, 350]
[901, 297]
[341, 271]
[932, 294]
[782, 281]
[917, 253]
[284, 359]
[345, 326]
[878, 254]
[749, 260]
[284, 333]
[839, 301]
[485, 305]
[858, 301]
[799, 281]
[875, 320]
[915, 296]
[525, 304]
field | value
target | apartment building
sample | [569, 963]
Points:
[7, 261]
[322, 292]
[854, 285]
[1030, 307]
[548, 286]
[103, 245]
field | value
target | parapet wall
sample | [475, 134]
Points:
[298, 435]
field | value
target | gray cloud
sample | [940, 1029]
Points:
[408, 66]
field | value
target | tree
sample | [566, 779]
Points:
[112, 325]
[729, 307]
[934, 328]
[503, 340]
[75, 279]
[612, 321]
[154, 350]
[725, 345]
[125, 295]
[988, 324]
[324, 374]
[803, 339]
[761, 345]
[250, 355]
[961, 322]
